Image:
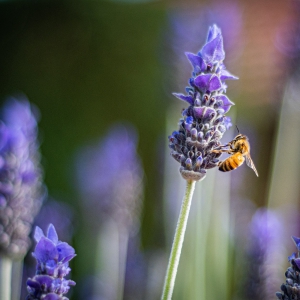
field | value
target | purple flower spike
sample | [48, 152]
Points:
[53, 258]
[208, 106]
[21, 188]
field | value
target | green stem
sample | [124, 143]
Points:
[17, 275]
[123, 246]
[5, 278]
[178, 241]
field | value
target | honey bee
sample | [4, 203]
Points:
[239, 147]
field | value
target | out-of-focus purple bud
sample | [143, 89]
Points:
[21, 189]
[109, 177]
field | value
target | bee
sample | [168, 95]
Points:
[239, 147]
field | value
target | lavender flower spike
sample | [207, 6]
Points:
[203, 123]
[53, 258]
[21, 188]
[291, 289]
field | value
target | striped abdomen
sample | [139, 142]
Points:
[231, 162]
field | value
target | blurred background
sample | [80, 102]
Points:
[105, 70]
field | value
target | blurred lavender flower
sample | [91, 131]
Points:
[53, 258]
[20, 176]
[291, 289]
[110, 178]
[110, 182]
[265, 228]
[204, 121]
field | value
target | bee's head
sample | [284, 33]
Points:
[238, 138]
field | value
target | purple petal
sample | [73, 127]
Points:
[214, 84]
[51, 267]
[188, 99]
[208, 111]
[226, 102]
[52, 296]
[188, 123]
[213, 31]
[51, 234]
[196, 61]
[198, 111]
[202, 81]
[71, 282]
[38, 234]
[293, 256]
[45, 250]
[297, 262]
[226, 75]
[64, 250]
[33, 284]
[208, 82]
[43, 280]
[213, 50]
[68, 258]
[297, 242]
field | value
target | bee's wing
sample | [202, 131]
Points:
[250, 164]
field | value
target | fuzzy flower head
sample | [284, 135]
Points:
[21, 188]
[53, 258]
[204, 122]
[291, 288]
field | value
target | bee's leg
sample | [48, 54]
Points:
[222, 151]
[227, 145]
[223, 146]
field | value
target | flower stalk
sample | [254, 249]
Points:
[178, 241]
[5, 275]
[201, 128]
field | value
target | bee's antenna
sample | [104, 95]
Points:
[237, 129]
